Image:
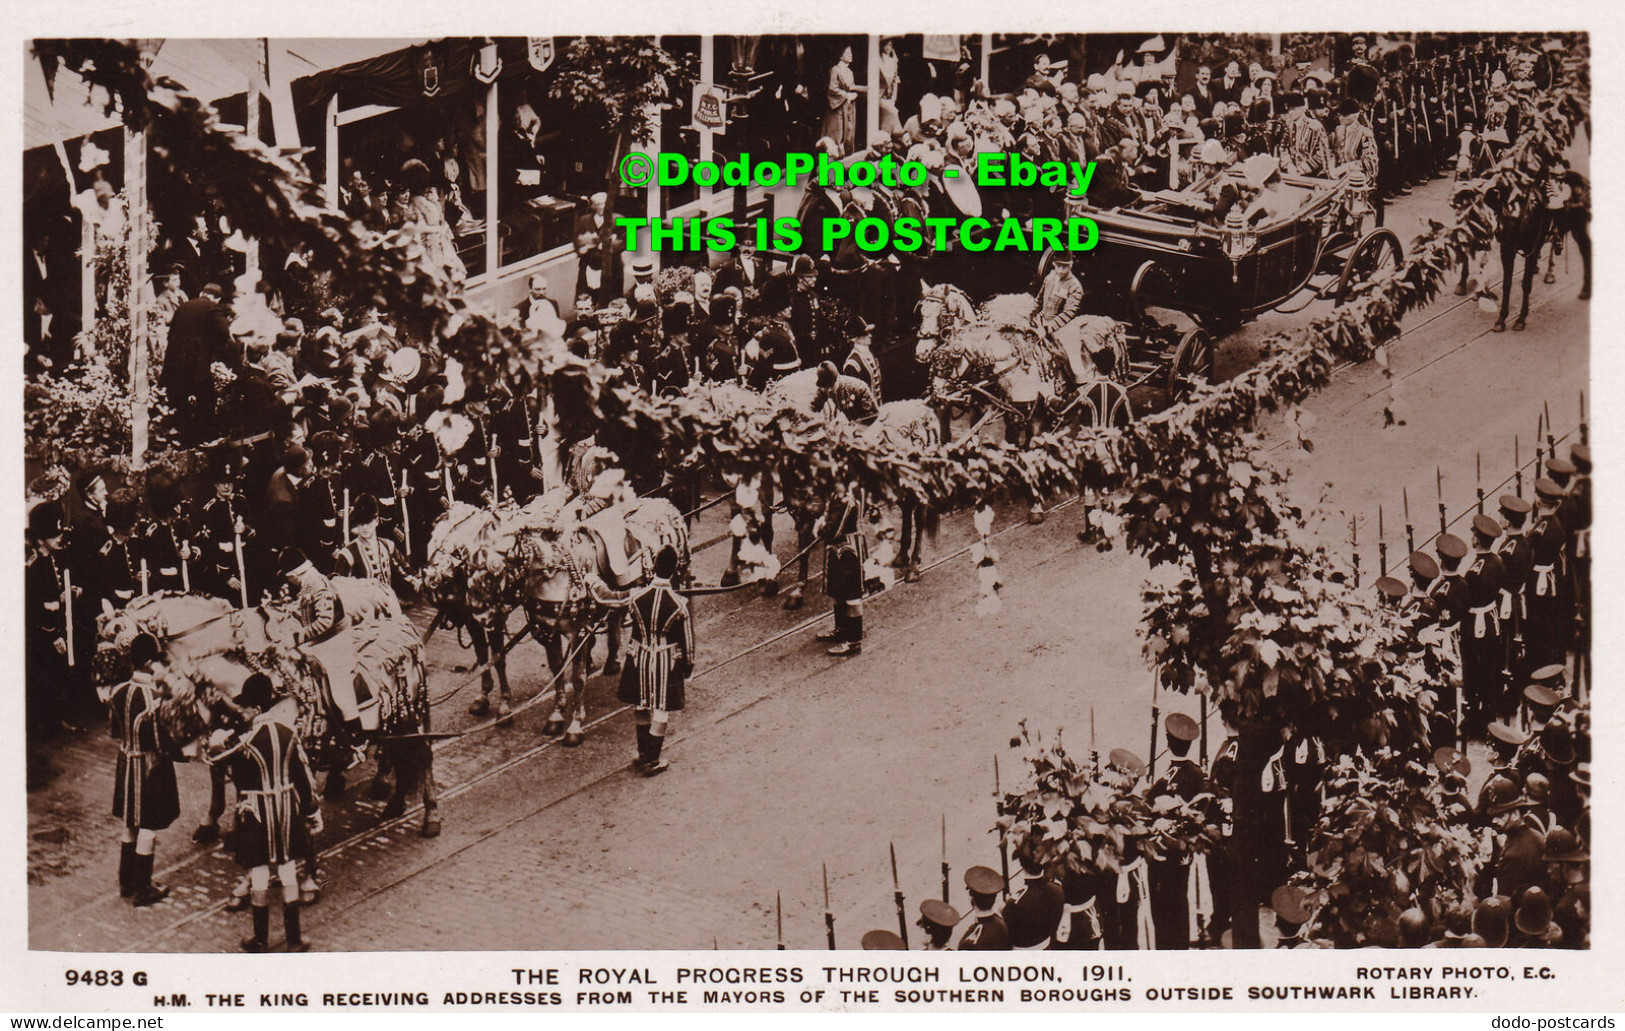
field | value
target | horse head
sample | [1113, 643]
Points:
[944, 310]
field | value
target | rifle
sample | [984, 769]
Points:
[237, 548]
[1438, 482]
[406, 517]
[1478, 478]
[186, 569]
[945, 857]
[829, 916]
[67, 611]
[897, 894]
[1151, 769]
[1004, 848]
[778, 905]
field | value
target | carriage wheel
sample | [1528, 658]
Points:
[1192, 363]
[1378, 251]
[1105, 404]
[1147, 277]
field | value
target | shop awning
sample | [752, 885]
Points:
[211, 68]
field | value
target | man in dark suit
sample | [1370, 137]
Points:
[199, 334]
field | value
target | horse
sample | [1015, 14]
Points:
[909, 427]
[1555, 205]
[566, 568]
[469, 576]
[210, 648]
[991, 351]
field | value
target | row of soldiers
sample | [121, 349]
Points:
[1528, 867]
[1513, 604]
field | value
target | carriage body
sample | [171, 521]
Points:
[1157, 255]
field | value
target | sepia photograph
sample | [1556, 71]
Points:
[1017, 491]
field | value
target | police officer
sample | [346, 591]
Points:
[845, 551]
[660, 659]
[982, 929]
[1483, 653]
[277, 811]
[145, 797]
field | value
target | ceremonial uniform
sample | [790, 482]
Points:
[370, 557]
[1033, 912]
[49, 696]
[273, 781]
[661, 653]
[1126, 911]
[981, 931]
[845, 552]
[1546, 633]
[1517, 561]
[1483, 652]
[1080, 928]
[163, 547]
[218, 540]
[145, 796]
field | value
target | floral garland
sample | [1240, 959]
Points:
[272, 197]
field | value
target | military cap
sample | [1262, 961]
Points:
[882, 940]
[1449, 760]
[121, 513]
[1557, 741]
[1390, 588]
[1548, 488]
[1451, 547]
[365, 510]
[1580, 455]
[89, 478]
[936, 913]
[1288, 903]
[980, 880]
[1181, 727]
[1514, 508]
[1540, 696]
[1422, 565]
[256, 691]
[1126, 761]
[1507, 735]
[1549, 674]
[1486, 526]
[1560, 468]
[45, 520]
